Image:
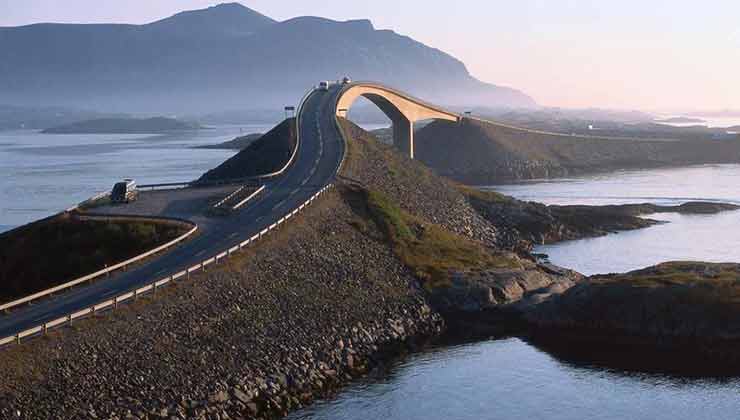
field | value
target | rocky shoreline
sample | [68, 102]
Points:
[526, 223]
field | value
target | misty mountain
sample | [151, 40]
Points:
[224, 57]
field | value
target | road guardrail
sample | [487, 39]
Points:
[152, 287]
[107, 270]
[112, 303]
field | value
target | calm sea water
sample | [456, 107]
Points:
[42, 174]
[511, 379]
[722, 122]
[714, 238]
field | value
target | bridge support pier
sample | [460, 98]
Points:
[403, 135]
[401, 109]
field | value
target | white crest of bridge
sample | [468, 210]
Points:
[402, 109]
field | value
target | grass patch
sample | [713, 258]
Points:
[53, 251]
[487, 195]
[689, 282]
[428, 249]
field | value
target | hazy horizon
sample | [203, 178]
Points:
[660, 56]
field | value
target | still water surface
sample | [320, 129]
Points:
[714, 238]
[42, 174]
[511, 379]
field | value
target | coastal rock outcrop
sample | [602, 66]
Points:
[680, 309]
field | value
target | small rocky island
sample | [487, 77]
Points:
[124, 126]
[680, 120]
[670, 313]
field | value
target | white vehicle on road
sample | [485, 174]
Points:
[346, 80]
[124, 192]
[324, 85]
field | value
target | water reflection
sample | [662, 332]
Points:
[509, 378]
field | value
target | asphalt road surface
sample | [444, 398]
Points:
[319, 154]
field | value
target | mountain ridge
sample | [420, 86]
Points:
[223, 57]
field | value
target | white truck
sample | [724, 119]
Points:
[324, 85]
[124, 191]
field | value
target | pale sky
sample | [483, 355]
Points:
[629, 54]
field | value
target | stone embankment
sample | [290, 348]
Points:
[284, 323]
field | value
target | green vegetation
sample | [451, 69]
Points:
[428, 249]
[53, 251]
[689, 281]
[487, 195]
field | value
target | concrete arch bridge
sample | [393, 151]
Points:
[402, 109]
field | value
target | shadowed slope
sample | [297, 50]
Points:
[264, 156]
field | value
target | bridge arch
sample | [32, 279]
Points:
[403, 110]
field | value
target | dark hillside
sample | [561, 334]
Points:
[37, 256]
[478, 152]
[263, 156]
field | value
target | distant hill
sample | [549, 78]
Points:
[14, 117]
[123, 126]
[680, 120]
[483, 153]
[222, 58]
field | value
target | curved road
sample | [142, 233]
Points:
[319, 155]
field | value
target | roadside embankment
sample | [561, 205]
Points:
[481, 153]
[52, 251]
[265, 155]
[463, 261]
[267, 331]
